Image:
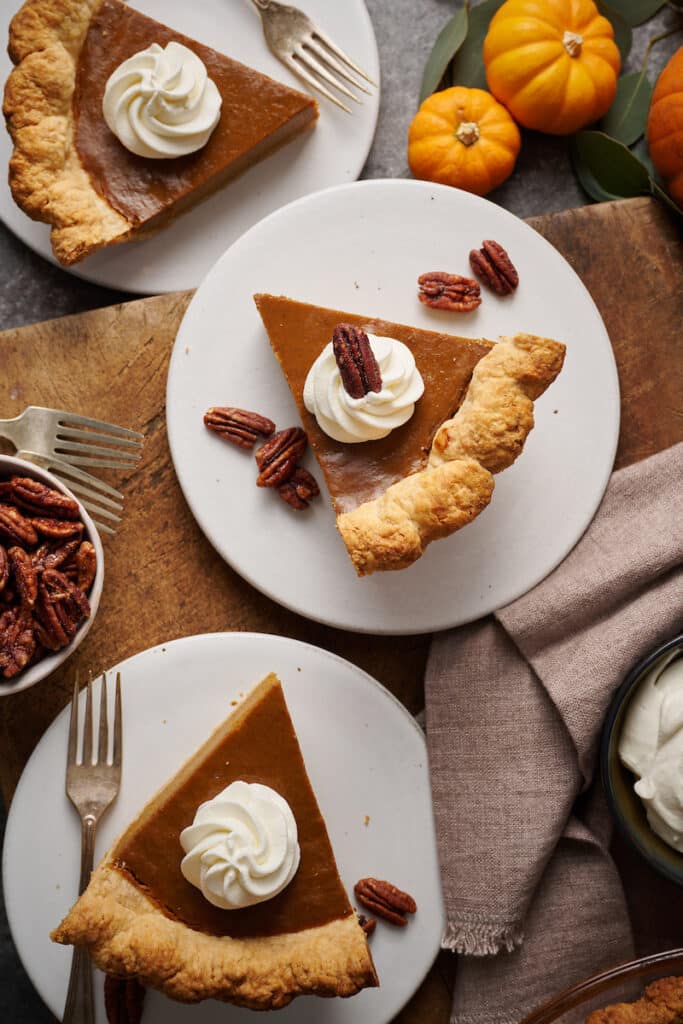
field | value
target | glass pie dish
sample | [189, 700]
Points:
[623, 984]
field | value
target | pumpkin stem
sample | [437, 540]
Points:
[572, 43]
[467, 132]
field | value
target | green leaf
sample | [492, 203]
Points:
[626, 118]
[449, 41]
[642, 151]
[606, 168]
[635, 12]
[659, 193]
[623, 36]
[468, 65]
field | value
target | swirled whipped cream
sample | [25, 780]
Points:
[651, 746]
[160, 103]
[242, 847]
[352, 420]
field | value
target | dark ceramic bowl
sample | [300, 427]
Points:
[618, 781]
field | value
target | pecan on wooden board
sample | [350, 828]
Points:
[278, 457]
[239, 426]
[450, 292]
[124, 1000]
[358, 367]
[385, 900]
[494, 267]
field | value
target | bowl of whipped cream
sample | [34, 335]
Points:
[642, 758]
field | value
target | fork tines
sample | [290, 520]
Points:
[103, 751]
[317, 59]
[90, 442]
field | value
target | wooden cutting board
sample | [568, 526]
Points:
[163, 578]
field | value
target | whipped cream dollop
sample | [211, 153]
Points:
[242, 847]
[352, 420]
[161, 103]
[651, 746]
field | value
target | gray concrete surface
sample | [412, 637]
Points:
[32, 289]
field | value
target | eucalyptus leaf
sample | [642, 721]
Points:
[659, 193]
[606, 168]
[449, 41]
[626, 118]
[635, 12]
[623, 36]
[468, 66]
[641, 150]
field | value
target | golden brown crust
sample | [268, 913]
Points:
[661, 1004]
[127, 935]
[45, 174]
[485, 436]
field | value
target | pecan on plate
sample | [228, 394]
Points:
[385, 900]
[4, 568]
[278, 457]
[449, 291]
[86, 565]
[368, 924]
[298, 491]
[492, 264]
[57, 529]
[17, 641]
[240, 426]
[15, 528]
[25, 575]
[40, 500]
[358, 367]
[123, 1000]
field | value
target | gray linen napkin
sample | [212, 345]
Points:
[515, 705]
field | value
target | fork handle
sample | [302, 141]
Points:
[80, 1006]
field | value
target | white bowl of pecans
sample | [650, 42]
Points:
[51, 574]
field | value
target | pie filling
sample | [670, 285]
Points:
[257, 114]
[357, 473]
[263, 748]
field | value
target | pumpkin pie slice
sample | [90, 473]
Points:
[69, 170]
[433, 475]
[140, 917]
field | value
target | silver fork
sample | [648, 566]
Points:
[91, 787]
[309, 53]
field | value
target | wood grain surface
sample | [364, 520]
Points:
[163, 578]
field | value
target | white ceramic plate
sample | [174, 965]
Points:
[361, 248]
[334, 152]
[365, 756]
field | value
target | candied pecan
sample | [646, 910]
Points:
[60, 589]
[15, 528]
[57, 529]
[448, 291]
[358, 367]
[4, 568]
[495, 268]
[17, 643]
[25, 575]
[49, 629]
[368, 924]
[53, 556]
[86, 565]
[385, 900]
[298, 491]
[41, 500]
[238, 425]
[278, 457]
[123, 1000]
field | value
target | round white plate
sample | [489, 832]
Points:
[332, 153]
[364, 753]
[361, 248]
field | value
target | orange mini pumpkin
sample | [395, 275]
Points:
[665, 126]
[463, 137]
[553, 63]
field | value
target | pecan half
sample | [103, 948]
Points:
[123, 1000]
[41, 500]
[17, 641]
[57, 529]
[53, 556]
[385, 900]
[358, 367]
[61, 590]
[299, 490]
[368, 924]
[492, 264]
[86, 565]
[15, 528]
[278, 457]
[238, 425]
[4, 568]
[449, 291]
[25, 575]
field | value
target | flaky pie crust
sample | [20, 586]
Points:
[661, 1004]
[485, 436]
